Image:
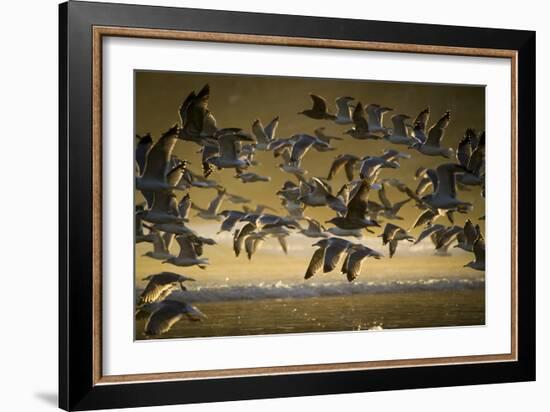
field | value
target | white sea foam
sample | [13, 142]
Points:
[282, 290]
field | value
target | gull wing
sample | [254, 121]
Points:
[187, 249]
[399, 127]
[162, 319]
[422, 119]
[259, 131]
[479, 249]
[437, 131]
[344, 109]
[215, 204]
[372, 115]
[470, 232]
[158, 158]
[271, 128]
[383, 197]
[357, 206]
[319, 103]
[464, 151]
[336, 166]
[240, 236]
[430, 230]
[333, 253]
[359, 119]
[315, 263]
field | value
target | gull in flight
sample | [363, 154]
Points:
[229, 156]
[375, 119]
[479, 255]
[400, 133]
[444, 184]
[156, 167]
[356, 211]
[161, 245]
[471, 156]
[251, 177]
[361, 129]
[319, 109]
[392, 235]
[190, 252]
[390, 211]
[321, 135]
[161, 285]
[330, 251]
[212, 212]
[318, 193]
[314, 229]
[431, 146]
[142, 150]
[264, 135]
[343, 115]
[346, 161]
[168, 313]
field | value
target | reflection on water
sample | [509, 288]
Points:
[417, 309]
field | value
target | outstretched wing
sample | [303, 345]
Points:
[438, 130]
[315, 263]
[319, 104]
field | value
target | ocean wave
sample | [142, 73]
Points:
[282, 290]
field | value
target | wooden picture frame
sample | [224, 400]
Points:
[82, 385]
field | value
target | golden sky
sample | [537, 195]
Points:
[236, 101]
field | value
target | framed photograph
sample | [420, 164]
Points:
[256, 206]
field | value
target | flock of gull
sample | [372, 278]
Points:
[164, 180]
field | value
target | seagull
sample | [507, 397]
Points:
[229, 157]
[371, 165]
[264, 135]
[231, 219]
[429, 231]
[356, 211]
[346, 161]
[471, 234]
[160, 285]
[253, 242]
[236, 198]
[471, 156]
[197, 123]
[259, 222]
[392, 235]
[319, 109]
[317, 194]
[250, 177]
[168, 313]
[360, 130]
[375, 119]
[190, 250]
[355, 257]
[336, 231]
[164, 209]
[142, 150]
[432, 145]
[212, 213]
[157, 164]
[399, 134]
[314, 229]
[444, 183]
[343, 116]
[420, 125]
[390, 210]
[330, 251]
[321, 135]
[479, 254]
[161, 247]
